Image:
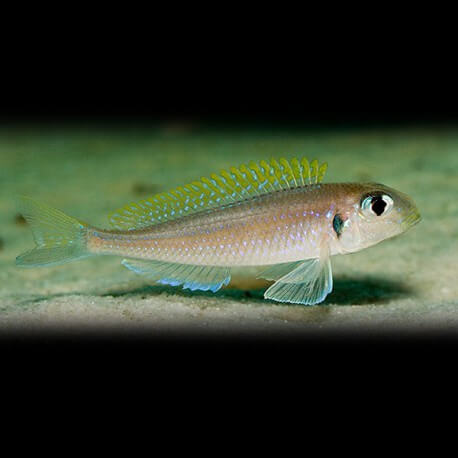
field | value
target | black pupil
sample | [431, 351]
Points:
[378, 205]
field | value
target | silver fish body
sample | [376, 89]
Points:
[274, 228]
[278, 215]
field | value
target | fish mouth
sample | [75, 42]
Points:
[412, 219]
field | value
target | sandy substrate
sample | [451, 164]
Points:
[407, 283]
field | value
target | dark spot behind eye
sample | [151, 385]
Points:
[378, 205]
[19, 219]
[337, 224]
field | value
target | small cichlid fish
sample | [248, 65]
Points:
[276, 214]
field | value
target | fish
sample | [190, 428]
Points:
[276, 214]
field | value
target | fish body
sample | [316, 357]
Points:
[276, 214]
[268, 229]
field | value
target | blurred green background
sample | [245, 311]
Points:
[88, 171]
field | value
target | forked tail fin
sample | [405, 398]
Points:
[59, 238]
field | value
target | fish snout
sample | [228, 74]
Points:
[412, 219]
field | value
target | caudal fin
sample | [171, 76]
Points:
[59, 238]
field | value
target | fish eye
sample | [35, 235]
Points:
[377, 205]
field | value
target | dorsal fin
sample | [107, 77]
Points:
[231, 186]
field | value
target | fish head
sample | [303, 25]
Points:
[375, 212]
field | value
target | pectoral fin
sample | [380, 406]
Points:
[308, 284]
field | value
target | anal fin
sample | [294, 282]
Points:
[193, 277]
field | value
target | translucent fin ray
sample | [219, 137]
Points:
[59, 238]
[234, 185]
[204, 278]
[308, 284]
[276, 271]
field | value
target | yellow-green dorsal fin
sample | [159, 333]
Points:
[229, 186]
